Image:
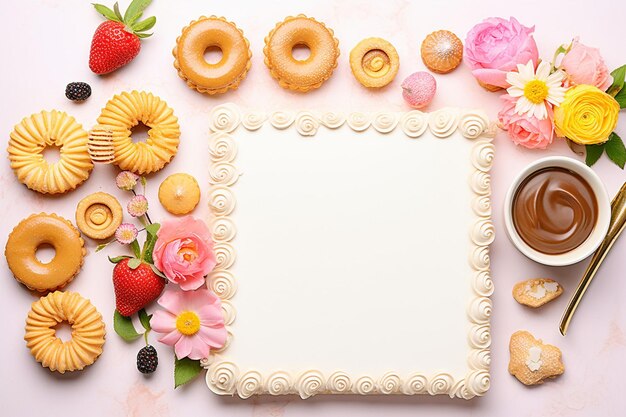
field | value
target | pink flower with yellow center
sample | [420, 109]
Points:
[126, 233]
[192, 322]
[126, 180]
[184, 252]
[137, 206]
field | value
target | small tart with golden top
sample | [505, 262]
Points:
[193, 68]
[88, 332]
[179, 193]
[301, 75]
[99, 215]
[374, 62]
[442, 51]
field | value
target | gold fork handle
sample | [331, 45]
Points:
[616, 226]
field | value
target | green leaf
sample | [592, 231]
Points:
[132, 20]
[116, 9]
[106, 12]
[101, 246]
[185, 370]
[124, 327]
[134, 263]
[151, 239]
[117, 259]
[615, 150]
[594, 152]
[618, 80]
[621, 98]
[152, 229]
[144, 319]
[134, 245]
[156, 271]
[136, 8]
[144, 24]
[143, 35]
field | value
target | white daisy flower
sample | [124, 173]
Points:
[534, 90]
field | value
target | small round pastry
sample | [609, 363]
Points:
[418, 89]
[100, 145]
[374, 62]
[128, 109]
[442, 51]
[179, 193]
[50, 129]
[44, 229]
[88, 332]
[201, 75]
[99, 215]
[301, 75]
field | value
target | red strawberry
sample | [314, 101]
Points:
[135, 288]
[117, 41]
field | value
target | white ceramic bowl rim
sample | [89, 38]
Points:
[597, 234]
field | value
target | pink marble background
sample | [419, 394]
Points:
[45, 46]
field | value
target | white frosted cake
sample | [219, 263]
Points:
[353, 252]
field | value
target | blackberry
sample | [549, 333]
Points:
[147, 360]
[77, 91]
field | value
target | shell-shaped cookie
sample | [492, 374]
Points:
[536, 292]
[532, 361]
[442, 51]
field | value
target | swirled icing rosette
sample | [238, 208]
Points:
[206, 362]
[221, 200]
[479, 359]
[222, 147]
[222, 377]
[483, 153]
[224, 118]
[385, 122]
[483, 232]
[415, 384]
[339, 382]
[310, 383]
[443, 122]
[483, 284]
[281, 119]
[479, 259]
[389, 383]
[279, 383]
[254, 120]
[222, 283]
[480, 182]
[480, 336]
[224, 255]
[229, 312]
[459, 390]
[222, 229]
[473, 124]
[440, 384]
[480, 310]
[478, 382]
[359, 121]
[482, 205]
[223, 173]
[364, 386]
[332, 120]
[306, 124]
[249, 384]
[414, 123]
[229, 339]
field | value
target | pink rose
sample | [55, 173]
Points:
[184, 252]
[495, 46]
[524, 130]
[584, 65]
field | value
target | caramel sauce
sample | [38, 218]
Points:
[554, 210]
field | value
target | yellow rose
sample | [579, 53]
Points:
[587, 115]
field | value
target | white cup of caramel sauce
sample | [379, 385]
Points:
[557, 211]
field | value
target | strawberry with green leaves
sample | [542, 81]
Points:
[118, 40]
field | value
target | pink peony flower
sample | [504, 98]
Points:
[495, 46]
[137, 206]
[192, 322]
[524, 130]
[184, 252]
[126, 180]
[584, 65]
[126, 233]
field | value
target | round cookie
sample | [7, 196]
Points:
[179, 193]
[43, 130]
[374, 62]
[88, 332]
[295, 74]
[30, 234]
[206, 77]
[442, 51]
[99, 215]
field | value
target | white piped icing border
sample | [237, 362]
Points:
[225, 378]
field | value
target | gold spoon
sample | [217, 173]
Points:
[616, 226]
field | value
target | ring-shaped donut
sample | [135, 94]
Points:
[99, 215]
[126, 110]
[374, 62]
[206, 77]
[301, 75]
[50, 129]
[44, 229]
[88, 332]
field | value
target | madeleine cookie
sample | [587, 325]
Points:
[442, 51]
[536, 292]
[532, 361]
[35, 231]
[99, 215]
[179, 193]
